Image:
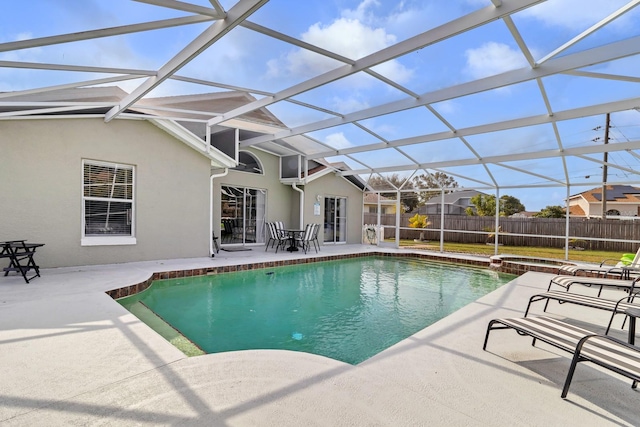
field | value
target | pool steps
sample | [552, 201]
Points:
[165, 330]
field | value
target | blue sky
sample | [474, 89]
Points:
[356, 29]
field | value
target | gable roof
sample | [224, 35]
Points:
[317, 170]
[615, 193]
[372, 199]
[576, 210]
[453, 197]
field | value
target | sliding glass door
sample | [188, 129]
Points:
[242, 214]
[335, 219]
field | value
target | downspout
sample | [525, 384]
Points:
[566, 226]
[442, 220]
[497, 226]
[293, 185]
[213, 176]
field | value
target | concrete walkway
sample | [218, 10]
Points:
[69, 355]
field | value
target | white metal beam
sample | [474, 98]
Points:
[590, 30]
[522, 122]
[610, 52]
[49, 110]
[577, 151]
[103, 32]
[528, 172]
[611, 165]
[215, 32]
[631, 79]
[66, 86]
[185, 7]
[218, 7]
[450, 29]
[75, 68]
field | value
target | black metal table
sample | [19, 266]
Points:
[292, 239]
[20, 254]
[633, 314]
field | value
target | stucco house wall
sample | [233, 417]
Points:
[41, 187]
[283, 201]
[335, 186]
[279, 198]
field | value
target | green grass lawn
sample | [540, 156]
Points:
[487, 250]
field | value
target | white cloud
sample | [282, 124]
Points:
[449, 106]
[338, 140]
[347, 36]
[348, 105]
[493, 58]
[574, 15]
[361, 13]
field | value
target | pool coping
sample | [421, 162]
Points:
[175, 274]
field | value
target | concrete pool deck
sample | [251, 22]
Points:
[70, 355]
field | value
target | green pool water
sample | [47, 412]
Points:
[348, 310]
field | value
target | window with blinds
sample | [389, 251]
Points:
[107, 199]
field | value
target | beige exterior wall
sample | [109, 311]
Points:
[41, 188]
[625, 209]
[283, 202]
[279, 196]
[335, 186]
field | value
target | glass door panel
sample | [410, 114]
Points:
[242, 214]
[335, 219]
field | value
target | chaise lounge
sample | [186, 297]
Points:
[567, 281]
[619, 306]
[623, 267]
[608, 352]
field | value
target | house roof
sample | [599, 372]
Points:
[524, 214]
[453, 197]
[372, 199]
[615, 193]
[576, 210]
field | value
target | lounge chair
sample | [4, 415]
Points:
[567, 281]
[623, 267]
[608, 352]
[614, 306]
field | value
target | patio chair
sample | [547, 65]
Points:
[216, 245]
[305, 240]
[227, 230]
[610, 353]
[271, 238]
[275, 238]
[281, 230]
[314, 238]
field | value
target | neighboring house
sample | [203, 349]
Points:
[622, 200]
[524, 214]
[143, 187]
[374, 202]
[455, 203]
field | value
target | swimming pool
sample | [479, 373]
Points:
[348, 310]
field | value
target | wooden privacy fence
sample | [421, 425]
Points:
[543, 232]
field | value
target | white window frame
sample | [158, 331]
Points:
[108, 240]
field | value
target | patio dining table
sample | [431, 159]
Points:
[20, 254]
[292, 233]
